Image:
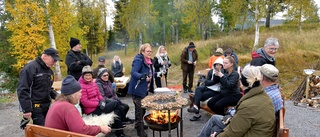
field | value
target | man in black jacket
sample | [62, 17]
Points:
[76, 60]
[34, 87]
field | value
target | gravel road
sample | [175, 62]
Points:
[302, 121]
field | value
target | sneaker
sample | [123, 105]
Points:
[193, 110]
[194, 118]
[185, 90]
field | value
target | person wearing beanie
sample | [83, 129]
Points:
[254, 110]
[65, 116]
[75, 59]
[188, 58]
[34, 87]
[105, 84]
[216, 55]
[93, 102]
[101, 63]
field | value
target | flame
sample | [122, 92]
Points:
[161, 116]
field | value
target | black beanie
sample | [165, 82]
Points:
[191, 45]
[70, 85]
[244, 81]
[74, 42]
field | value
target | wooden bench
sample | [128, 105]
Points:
[282, 131]
[203, 105]
[41, 131]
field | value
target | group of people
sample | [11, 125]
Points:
[254, 111]
[95, 97]
[222, 85]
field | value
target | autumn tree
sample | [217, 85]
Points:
[119, 29]
[28, 27]
[301, 10]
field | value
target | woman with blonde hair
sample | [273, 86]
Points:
[141, 82]
[117, 67]
[161, 63]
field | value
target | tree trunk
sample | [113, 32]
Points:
[268, 17]
[164, 34]
[256, 38]
[57, 70]
[177, 34]
[140, 38]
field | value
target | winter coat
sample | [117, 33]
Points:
[117, 69]
[229, 83]
[34, 86]
[90, 96]
[213, 58]
[158, 66]
[75, 67]
[260, 57]
[184, 58]
[139, 87]
[254, 116]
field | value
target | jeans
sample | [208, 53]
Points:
[202, 93]
[214, 124]
[138, 113]
[219, 102]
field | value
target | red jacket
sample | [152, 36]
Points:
[90, 95]
[65, 116]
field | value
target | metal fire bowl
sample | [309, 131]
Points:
[161, 127]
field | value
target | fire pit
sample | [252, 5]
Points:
[161, 124]
[164, 114]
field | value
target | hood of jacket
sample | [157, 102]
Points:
[262, 54]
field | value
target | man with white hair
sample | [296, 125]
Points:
[265, 54]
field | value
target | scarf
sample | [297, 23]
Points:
[148, 60]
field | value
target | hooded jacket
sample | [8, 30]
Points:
[139, 87]
[90, 95]
[260, 57]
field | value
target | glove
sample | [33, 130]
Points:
[24, 122]
[143, 76]
[102, 104]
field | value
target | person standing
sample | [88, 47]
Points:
[65, 116]
[34, 89]
[141, 82]
[117, 66]
[161, 64]
[266, 54]
[188, 58]
[75, 60]
[101, 63]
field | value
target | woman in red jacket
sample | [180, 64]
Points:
[93, 102]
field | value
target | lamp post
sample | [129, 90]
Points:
[308, 72]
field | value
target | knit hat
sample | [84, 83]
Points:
[101, 59]
[86, 69]
[101, 71]
[70, 85]
[269, 71]
[191, 45]
[219, 50]
[74, 42]
[53, 53]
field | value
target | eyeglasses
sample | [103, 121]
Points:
[149, 51]
[105, 75]
[273, 49]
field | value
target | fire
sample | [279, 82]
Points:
[161, 116]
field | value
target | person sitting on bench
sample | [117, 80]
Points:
[206, 91]
[269, 75]
[65, 116]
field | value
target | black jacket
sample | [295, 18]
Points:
[75, 67]
[229, 82]
[34, 86]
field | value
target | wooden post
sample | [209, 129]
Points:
[307, 87]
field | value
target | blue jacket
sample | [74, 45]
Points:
[139, 87]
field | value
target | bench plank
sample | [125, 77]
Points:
[41, 131]
[282, 131]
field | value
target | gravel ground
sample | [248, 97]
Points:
[302, 121]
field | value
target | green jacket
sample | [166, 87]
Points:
[254, 116]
